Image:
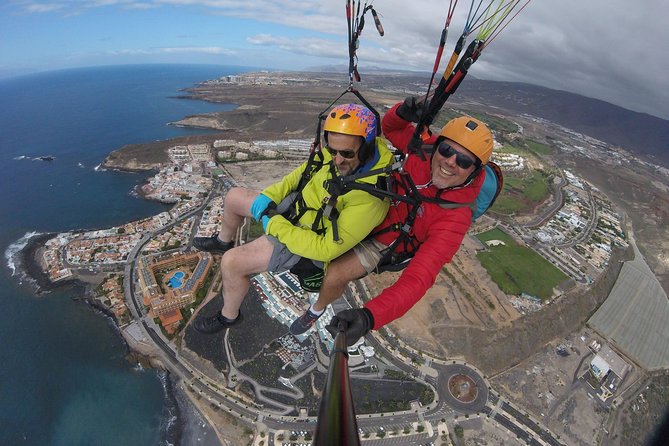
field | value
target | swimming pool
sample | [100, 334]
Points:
[176, 280]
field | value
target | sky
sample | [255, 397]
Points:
[613, 50]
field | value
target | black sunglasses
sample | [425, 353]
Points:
[347, 154]
[463, 161]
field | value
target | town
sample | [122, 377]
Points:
[565, 229]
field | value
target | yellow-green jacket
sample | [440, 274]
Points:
[359, 212]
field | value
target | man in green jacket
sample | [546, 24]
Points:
[293, 218]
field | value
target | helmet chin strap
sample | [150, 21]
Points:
[473, 175]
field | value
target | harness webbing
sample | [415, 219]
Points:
[411, 196]
[355, 20]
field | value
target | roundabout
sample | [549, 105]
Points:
[462, 388]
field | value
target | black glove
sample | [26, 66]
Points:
[356, 323]
[411, 109]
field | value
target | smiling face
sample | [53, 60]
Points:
[445, 172]
[344, 143]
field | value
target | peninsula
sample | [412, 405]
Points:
[522, 355]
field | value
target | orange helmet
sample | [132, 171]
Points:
[352, 119]
[471, 134]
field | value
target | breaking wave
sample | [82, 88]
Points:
[170, 425]
[13, 250]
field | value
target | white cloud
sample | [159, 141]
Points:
[141, 6]
[77, 7]
[213, 50]
[40, 8]
[613, 49]
[316, 15]
[608, 49]
[307, 46]
[199, 49]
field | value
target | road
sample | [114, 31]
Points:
[446, 407]
[556, 205]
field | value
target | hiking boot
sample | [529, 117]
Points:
[212, 244]
[303, 323]
[214, 324]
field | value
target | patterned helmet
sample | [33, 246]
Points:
[471, 134]
[352, 119]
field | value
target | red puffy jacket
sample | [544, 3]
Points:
[438, 230]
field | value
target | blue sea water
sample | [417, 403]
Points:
[64, 379]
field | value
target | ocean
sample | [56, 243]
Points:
[64, 379]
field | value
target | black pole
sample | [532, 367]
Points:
[337, 425]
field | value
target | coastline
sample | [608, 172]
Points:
[31, 266]
[142, 157]
[178, 416]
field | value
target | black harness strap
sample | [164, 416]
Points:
[339, 185]
[328, 208]
[299, 207]
[390, 259]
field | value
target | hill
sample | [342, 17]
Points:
[640, 133]
[645, 135]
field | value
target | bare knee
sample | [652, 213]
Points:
[339, 275]
[239, 200]
[248, 259]
[229, 262]
[233, 197]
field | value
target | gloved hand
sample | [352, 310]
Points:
[356, 322]
[411, 109]
[259, 205]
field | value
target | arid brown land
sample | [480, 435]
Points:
[464, 314]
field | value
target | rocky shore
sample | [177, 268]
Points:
[180, 415]
[31, 265]
[153, 155]
[264, 112]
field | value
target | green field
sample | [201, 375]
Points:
[535, 188]
[527, 148]
[495, 123]
[506, 205]
[517, 269]
[538, 148]
[496, 234]
[517, 148]
[521, 194]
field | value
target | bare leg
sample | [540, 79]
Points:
[236, 266]
[339, 273]
[237, 206]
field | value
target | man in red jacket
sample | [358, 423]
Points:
[453, 174]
